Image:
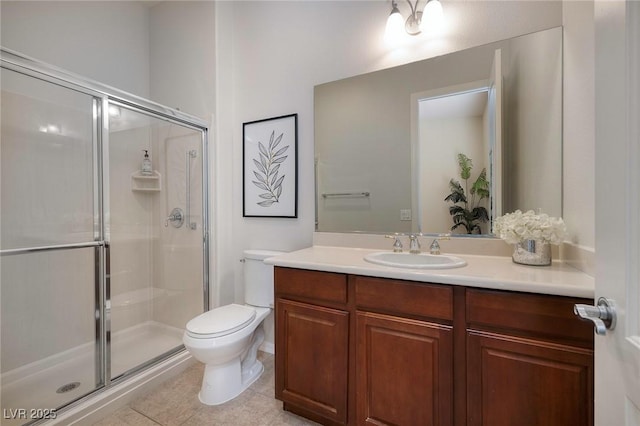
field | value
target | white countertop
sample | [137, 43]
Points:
[492, 272]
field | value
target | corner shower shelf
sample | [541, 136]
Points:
[146, 183]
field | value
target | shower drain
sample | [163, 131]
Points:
[68, 387]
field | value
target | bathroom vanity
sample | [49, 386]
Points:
[492, 343]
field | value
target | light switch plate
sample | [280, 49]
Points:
[405, 214]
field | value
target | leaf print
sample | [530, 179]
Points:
[281, 151]
[260, 185]
[278, 182]
[259, 166]
[262, 149]
[277, 140]
[267, 170]
[271, 140]
[274, 169]
[259, 177]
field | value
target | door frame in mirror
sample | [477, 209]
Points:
[477, 86]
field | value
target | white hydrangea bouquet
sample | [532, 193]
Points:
[531, 233]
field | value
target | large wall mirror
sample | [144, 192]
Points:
[387, 143]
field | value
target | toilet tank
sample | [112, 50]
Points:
[258, 277]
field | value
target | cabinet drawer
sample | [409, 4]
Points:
[404, 297]
[319, 286]
[540, 315]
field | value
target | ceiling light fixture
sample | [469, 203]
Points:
[418, 20]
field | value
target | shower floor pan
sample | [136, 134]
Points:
[65, 377]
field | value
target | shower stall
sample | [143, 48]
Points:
[102, 261]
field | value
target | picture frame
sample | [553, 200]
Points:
[270, 167]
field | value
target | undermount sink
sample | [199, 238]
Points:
[415, 261]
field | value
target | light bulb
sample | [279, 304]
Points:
[395, 27]
[432, 17]
[51, 128]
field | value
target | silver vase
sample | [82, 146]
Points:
[532, 252]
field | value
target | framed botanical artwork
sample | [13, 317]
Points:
[270, 167]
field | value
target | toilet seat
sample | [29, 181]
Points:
[220, 321]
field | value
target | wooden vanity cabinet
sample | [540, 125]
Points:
[312, 343]
[363, 350]
[404, 353]
[529, 360]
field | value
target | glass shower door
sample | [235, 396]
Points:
[155, 233]
[101, 263]
[50, 264]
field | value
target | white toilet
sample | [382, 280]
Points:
[226, 339]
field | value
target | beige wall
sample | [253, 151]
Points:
[182, 56]
[103, 40]
[578, 140]
[533, 117]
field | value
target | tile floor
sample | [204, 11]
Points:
[175, 402]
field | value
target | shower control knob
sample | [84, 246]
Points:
[176, 218]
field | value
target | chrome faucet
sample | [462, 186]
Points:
[397, 244]
[414, 243]
[435, 246]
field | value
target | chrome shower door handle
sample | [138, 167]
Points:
[603, 315]
[190, 154]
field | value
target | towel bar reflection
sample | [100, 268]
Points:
[346, 195]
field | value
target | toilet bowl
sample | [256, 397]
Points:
[226, 339]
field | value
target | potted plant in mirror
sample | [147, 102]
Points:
[467, 211]
[531, 233]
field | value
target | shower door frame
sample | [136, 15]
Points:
[102, 96]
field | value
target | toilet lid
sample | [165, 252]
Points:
[221, 321]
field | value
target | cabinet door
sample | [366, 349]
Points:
[312, 358]
[517, 381]
[404, 371]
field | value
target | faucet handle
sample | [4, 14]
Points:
[435, 246]
[397, 244]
